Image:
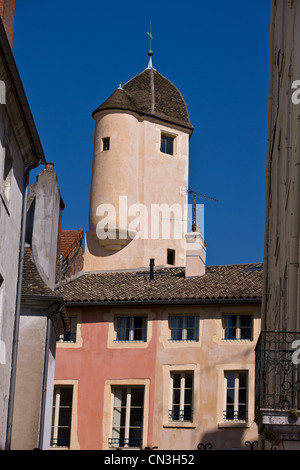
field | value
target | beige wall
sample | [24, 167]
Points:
[209, 359]
[134, 167]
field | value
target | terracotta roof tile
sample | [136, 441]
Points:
[33, 284]
[241, 281]
[150, 93]
[69, 239]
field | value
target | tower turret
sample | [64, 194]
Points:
[140, 165]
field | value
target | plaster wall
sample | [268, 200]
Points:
[29, 379]
[10, 219]
[135, 168]
[96, 362]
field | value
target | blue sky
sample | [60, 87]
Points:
[72, 55]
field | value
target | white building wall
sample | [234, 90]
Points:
[10, 220]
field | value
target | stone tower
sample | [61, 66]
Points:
[138, 197]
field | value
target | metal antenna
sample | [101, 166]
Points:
[202, 196]
[150, 35]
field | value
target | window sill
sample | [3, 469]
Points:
[237, 340]
[184, 341]
[179, 424]
[234, 424]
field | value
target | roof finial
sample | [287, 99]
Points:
[150, 52]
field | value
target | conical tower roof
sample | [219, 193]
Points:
[150, 93]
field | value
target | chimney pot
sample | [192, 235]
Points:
[152, 264]
[49, 166]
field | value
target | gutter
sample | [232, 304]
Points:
[132, 303]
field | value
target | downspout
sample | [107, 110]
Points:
[268, 175]
[18, 306]
[45, 377]
[293, 321]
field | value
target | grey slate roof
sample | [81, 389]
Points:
[150, 93]
[232, 282]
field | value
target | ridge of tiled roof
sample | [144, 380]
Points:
[150, 93]
[69, 239]
[235, 282]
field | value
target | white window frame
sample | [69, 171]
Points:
[56, 413]
[182, 404]
[236, 403]
[128, 410]
[184, 328]
[238, 327]
[132, 329]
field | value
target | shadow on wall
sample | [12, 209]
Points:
[223, 440]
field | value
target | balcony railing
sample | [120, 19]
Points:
[277, 373]
[181, 415]
[122, 442]
[232, 415]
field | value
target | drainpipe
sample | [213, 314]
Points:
[268, 173]
[45, 377]
[18, 306]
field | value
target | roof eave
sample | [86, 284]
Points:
[253, 300]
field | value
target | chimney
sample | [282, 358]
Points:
[151, 269]
[44, 206]
[195, 254]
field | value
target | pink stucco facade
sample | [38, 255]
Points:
[95, 363]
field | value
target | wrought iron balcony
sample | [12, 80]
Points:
[277, 372]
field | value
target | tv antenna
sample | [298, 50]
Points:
[195, 195]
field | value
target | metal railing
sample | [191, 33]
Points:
[181, 415]
[60, 442]
[122, 442]
[277, 373]
[232, 415]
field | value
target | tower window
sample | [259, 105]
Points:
[105, 143]
[171, 257]
[167, 144]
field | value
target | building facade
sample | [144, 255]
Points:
[20, 151]
[166, 362]
[161, 348]
[277, 394]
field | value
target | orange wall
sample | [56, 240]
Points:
[93, 364]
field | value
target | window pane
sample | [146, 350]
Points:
[166, 145]
[176, 328]
[137, 396]
[192, 328]
[189, 380]
[243, 379]
[230, 379]
[66, 396]
[230, 326]
[246, 327]
[123, 328]
[139, 328]
[176, 380]
[176, 396]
